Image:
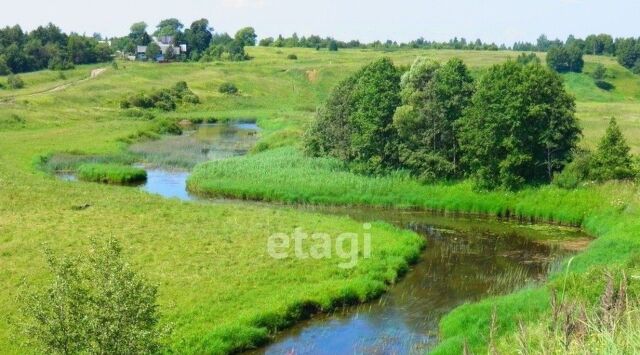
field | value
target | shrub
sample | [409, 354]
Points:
[167, 126]
[292, 57]
[599, 73]
[95, 304]
[525, 58]
[604, 85]
[228, 88]
[111, 173]
[15, 82]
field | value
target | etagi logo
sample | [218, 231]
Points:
[345, 246]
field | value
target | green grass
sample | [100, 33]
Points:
[217, 286]
[111, 173]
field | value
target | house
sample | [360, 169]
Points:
[166, 44]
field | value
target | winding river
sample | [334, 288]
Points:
[466, 259]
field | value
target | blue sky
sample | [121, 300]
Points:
[500, 21]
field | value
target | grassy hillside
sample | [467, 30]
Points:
[217, 285]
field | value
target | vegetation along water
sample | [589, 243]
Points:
[305, 135]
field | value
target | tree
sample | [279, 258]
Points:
[139, 34]
[4, 68]
[246, 37]
[169, 27]
[153, 51]
[266, 42]
[520, 127]
[199, 35]
[356, 123]
[94, 304]
[612, 160]
[333, 46]
[565, 59]
[330, 133]
[433, 99]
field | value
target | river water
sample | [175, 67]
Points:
[465, 259]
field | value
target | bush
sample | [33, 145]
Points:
[228, 88]
[15, 82]
[604, 85]
[167, 126]
[163, 99]
[292, 57]
[111, 173]
[94, 304]
[525, 58]
[599, 73]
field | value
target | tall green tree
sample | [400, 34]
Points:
[139, 34]
[199, 35]
[246, 37]
[375, 98]
[356, 123]
[96, 304]
[520, 128]
[169, 27]
[433, 99]
[612, 160]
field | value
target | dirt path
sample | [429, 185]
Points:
[94, 74]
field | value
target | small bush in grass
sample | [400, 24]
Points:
[228, 88]
[111, 173]
[167, 126]
[292, 57]
[94, 304]
[604, 85]
[15, 82]
[577, 171]
[163, 99]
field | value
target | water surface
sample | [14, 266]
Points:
[465, 260]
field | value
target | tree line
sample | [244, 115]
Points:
[513, 126]
[626, 50]
[47, 47]
[318, 42]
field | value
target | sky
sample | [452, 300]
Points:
[499, 21]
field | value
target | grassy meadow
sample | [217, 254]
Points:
[218, 288]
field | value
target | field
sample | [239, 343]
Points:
[217, 286]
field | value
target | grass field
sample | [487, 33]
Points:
[217, 286]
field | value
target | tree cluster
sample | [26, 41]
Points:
[627, 50]
[47, 47]
[202, 43]
[565, 59]
[516, 125]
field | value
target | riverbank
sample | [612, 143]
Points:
[609, 212]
